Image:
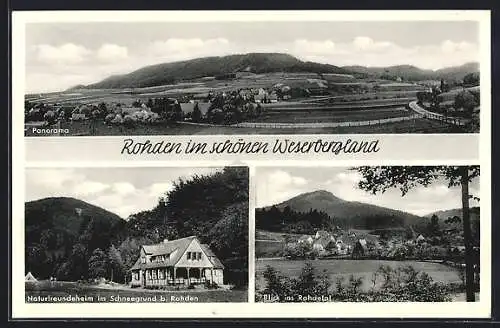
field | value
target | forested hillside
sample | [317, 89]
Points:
[70, 239]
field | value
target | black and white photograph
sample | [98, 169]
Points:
[153, 234]
[367, 234]
[251, 77]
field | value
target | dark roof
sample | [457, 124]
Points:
[323, 233]
[363, 244]
[323, 241]
[211, 256]
[304, 237]
[168, 247]
[189, 107]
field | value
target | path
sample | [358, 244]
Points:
[435, 116]
[325, 124]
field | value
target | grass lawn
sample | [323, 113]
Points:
[359, 268]
[100, 129]
[94, 294]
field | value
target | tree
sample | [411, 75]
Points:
[98, 264]
[433, 226]
[196, 116]
[471, 79]
[467, 101]
[150, 103]
[103, 109]
[380, 178]
[435, 98]
[117, 269]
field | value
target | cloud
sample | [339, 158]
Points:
[363, 50]
[58, 67]
[178, 49]
[282, 179]
[158, 189]
[123, 188]
[276, 185]
[365, 43]
[314, 47]
[111, 52]
[451, 47]
[90, 187]
[68, 53]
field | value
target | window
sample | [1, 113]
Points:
[199, 256]
[188, 255]
[143, 260]
[136, 276]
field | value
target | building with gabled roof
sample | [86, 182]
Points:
[360, 248]
[30, 277]
[182, 261]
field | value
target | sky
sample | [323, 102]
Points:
[62, 55]
[123, 191]
[277, 184]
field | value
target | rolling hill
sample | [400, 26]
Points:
[412, 73]
[166, 73]
[352, 215]
[65, 213]
[444, 215]
[53, 226]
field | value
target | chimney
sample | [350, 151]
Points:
[165, 240]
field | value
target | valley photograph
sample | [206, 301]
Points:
[367, 234]
[126, 235]
[212, 78]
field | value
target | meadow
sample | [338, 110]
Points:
[93, 293]
[347, 106]
[98, 128]
[335, 269]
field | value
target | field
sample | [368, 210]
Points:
[305, 115]
[91, 293]
[346, 107]
[88, 128]
[359, 268]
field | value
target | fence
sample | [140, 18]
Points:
[435, 116]
[326, 124]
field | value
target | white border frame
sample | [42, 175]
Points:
[20, 309]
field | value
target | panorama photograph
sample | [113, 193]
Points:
[155, 235]
[367, 234]
[230, 77]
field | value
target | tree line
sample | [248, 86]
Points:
[213, 207]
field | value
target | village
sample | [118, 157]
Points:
[399, 244]
[212, 107]
[266, 102]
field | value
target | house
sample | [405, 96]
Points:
[342, 248]
[30, 277]
[360, 248]
[182, 261]
[189, 107]
[420, 239]
[78, 117]
[306, 239]
[322, 240]
[273, 97]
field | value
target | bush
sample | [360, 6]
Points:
[211, 285]
[403, 284]
[129, 121]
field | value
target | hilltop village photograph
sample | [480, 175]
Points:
[95, 235]
[206, 78]
[367, 234]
